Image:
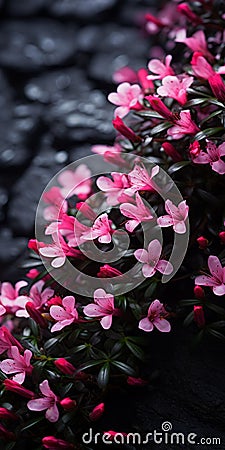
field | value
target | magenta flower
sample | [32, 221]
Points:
[103, 307]
[197, 42]
[101, 230]
[183, 125]
[65, 314]
[151, 261]
[176, 216]
[217, 278]
[110, 154]
[160, 69]
[113, 188]
[18, 364]
[141, 180]
[137, 213]
[37, 296]
[48, 402]
[7, 340]
[73, 230]
[127, 97]
[58, 205]
[212, 156]
[10, 295]
[156, 317]
[77, 182]
[59, 250]
[174, 87]
[201, 67]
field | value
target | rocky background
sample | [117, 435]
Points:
[57, 58]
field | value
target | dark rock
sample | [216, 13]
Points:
[81, 9]
[80, 152]
[123, 40]
[24, 7]
[11, 247]
[3, 201]
[30, 46]
[88, 38]
[103, 65]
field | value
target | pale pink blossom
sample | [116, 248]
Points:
[10, 295]
[48, 402]
[137, 213]
[197, 42]
[174, 87]
[183, 125]
[110, 154]
[127, 97]
[101, 230]
[217, 278]
[58, 205]
[141, 180]
[160, 69]
[77, 182]
[113, 188]
[151, 260]
[212, 156]
[176, 216]
[103, 307]
[201, 67]
[73, 230]
[155, 318]
[59, 251]
[65, 314]
[37, 296]
[18, 364]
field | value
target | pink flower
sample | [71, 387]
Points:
[156, 317]
[137, 213]
[101, 230]
[7, 340]
[110, 154]
[197, 42]
[218, 87]
[199, 316]
[212, 156]
[97, 412]
[151, 261]
[146, 84]
[158, 106]
[113, 188]
[59, 250]
[65, 314]
[65, 366]
[103, 307]
[185, 9]
[217, 278]
[20, 365]
[33, 273]
[13, 386]
[10, 295]
[2, 310]
[127, 97]
[176, 217]
[77, 182]
[37, 295]
[48, 402]
[125, 74]
[53, 443]
[161, 69]
[86, 210]
[36, 315]
[201, 67]
[107, 271]
[184, 125]
[58, 205]
[127, 132]
[73, 230]
[176, 88]
[141, 180]
[171, 151]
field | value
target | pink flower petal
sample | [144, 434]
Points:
[145, 325]
[52, 414]
[106, 322]
[164, 267]
[39, 404]
[162, 325]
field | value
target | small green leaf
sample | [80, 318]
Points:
[189, 319]
[31, 423]
[149, 114]
[103, 376]
[161, 127]
[214, 114]
[89, 364]
[150, 290]
[207, 133]
[216, 334]
[125, 368]
[178, 166]
[136, 350]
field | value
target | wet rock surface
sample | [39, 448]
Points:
[56, 63]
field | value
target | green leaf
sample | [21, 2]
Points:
[136, 350]
[216, 334]
[207, 133]
[189, 319]
[125, 368]
[149, 114]
[31, 423]
[190, 302]
[89, 364]
[196, 101]
[161, 127]
[103, 376]
[150, 290]
[216, 308]
[178, 166]
[136, 310]
[214, 114]
[31, 264]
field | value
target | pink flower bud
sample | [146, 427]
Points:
[97, 412]
[54, 444]
[147, 85]
[107, 271]
[218, 87]
[6, 435]
[33, 273]
[65, 366]
[13, 386]
[199, 292]
[9, 339]
[152, 19]
[158, 106]
[194, 149]
[185, 9]
[171, 151]
[36, 315]
[34, 245]
[199, 316]
[202, 242]
[132, 381]
[68, 404]
[86, 210]
[222, 237]
[57, 300]
[127, 132]
[5, 414]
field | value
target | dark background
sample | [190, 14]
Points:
[57, 58]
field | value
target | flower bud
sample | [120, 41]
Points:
[158, 106]
[6, 414]
[57, 300]
[218, 87]
[199, 292]
[33, 273]
[185, 9]
[13, 386]
[65, 366]
[68, 404]
[222, 237]
[107, 271]
[54, 444]
[97, 412]
[170, 150]
[194, 149]
[127, 132]
[34, 245]
[36, 315]
[199, 316]
[132, 381]
[6, 435]
[147, 85]
[202, 242]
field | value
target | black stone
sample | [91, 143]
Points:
[24, 7]
[30, 46]
[81, 9]
[11, 247]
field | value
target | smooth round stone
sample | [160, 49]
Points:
[39, 43]
[123, 40]
[11, 247]
[103, 65]
[24, 7]
[82, 9]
